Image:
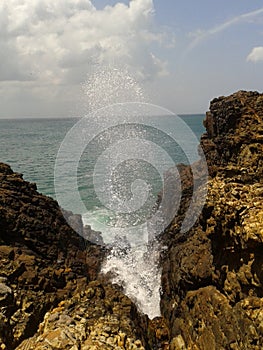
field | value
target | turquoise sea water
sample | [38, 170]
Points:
[30, 146]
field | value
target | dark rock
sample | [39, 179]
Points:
[92, 236]
[42, 257]
[212, 275]
[234, 139]
[206, 320]
[49, 295]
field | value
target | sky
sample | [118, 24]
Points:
[181, 54]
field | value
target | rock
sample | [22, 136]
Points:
[49, 294]
[212, 275]
[43, 259]
[99, 317]
[74, 220]
[92, 236]
[5, 292]
[210, 322]
[233, 142]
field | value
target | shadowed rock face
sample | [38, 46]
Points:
[212, 276]
[233, 143]
[42, 259]
[97, 317]
[52, 297]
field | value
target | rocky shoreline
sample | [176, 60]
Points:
[51, 293]
[212, 276]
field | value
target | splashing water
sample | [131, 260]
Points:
[137, 270]
[132, 266]
[129, 155]
[108, 86]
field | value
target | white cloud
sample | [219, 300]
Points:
[58, 41]
[48, 46]
[256, 54]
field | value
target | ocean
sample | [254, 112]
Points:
[37, 149]
[30, 146]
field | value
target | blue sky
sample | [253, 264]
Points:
[181, 53]
[217, 64]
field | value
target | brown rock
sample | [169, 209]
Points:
[42, 257]
[98, 317]
[212, 281]
[212, 275]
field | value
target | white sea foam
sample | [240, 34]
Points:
[132, 263]
[137, 270]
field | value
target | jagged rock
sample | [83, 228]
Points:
[206, 320]
[43, 260]
[92, 236]
[212, 275]
[47, 299]
[99, 317]
[233, 143]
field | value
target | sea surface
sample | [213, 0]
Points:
[30, 146]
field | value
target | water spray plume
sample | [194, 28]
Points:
[130, 167]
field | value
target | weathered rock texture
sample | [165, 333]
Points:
[43, 260]
[98, 317]
[213, 275]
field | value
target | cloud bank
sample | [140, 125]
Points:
[256, 54]
[58, 41]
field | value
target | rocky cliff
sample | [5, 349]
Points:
[212, 276]
[51, 296]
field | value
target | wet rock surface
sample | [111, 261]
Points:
[52, 296]
[212, 276]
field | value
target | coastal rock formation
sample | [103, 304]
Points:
[43, 260]
[98, 317]
[213, 275]
[52, 296]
